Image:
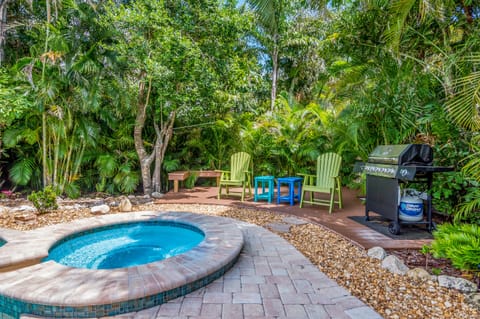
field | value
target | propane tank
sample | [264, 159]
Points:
[411, 206]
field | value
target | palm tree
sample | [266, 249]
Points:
[3, 28]
[441, 11]
[272, 20]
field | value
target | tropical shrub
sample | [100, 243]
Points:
[288, 141]
[450, 190]
[44, 200]
[460, 243]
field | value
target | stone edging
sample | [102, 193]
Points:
[396, 266]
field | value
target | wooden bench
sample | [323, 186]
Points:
[209, 174]
[177, 176]
[183, 175]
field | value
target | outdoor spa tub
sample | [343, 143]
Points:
[31, 283]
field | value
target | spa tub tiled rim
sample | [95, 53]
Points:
[66, 288]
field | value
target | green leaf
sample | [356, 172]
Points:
[21, 171]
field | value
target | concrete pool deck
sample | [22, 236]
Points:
[270, 280]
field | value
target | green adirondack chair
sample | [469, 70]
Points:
[239, 175]
[326, 181]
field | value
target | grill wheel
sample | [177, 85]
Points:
[394, 228]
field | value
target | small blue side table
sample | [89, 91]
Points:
[264, 181]
[291, 183]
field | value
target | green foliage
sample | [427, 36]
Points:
[469, 209]
[436, 271]
[448, 190]
[126, 179]
[426, 249]
[288, 141]
[460, 243]
[13, 102]
[72, 190]
[190, 181]
[463, 105]
[22, 171]
[116, 176]
[44, 200]
[170, 164]
[454, 192]
[342, 88]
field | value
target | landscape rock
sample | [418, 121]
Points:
[394, 265]
[458, 283]
[279, 227]
[3, 210]
[474, 300]
[294, 220]
[96, 202]
[419, 273]
[23, 208]
[113, 202]
[140, 200]
[377, 253]
[27, 217]
[100, 209]
[71, 207]
[157, 195]
[125, 205]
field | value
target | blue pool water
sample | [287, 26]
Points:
[125, 245]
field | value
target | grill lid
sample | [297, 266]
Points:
[402, 154]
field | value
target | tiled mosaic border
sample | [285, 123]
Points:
[213, 228]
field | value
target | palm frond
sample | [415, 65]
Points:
[126, 180]
[106, 165]
[464, 105]
[399, 11]
[21, 172]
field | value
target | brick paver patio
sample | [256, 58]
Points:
[270, 280]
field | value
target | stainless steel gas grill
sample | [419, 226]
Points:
[390, 166]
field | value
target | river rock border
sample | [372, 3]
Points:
[396, 266]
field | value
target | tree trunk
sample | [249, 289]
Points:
[144, 158]
[468, 11]
[273, 95]
[3, 28]
[163, 137]
[46, 171]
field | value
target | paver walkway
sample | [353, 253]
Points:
[270, 280]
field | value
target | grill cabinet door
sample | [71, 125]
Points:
[382, 196]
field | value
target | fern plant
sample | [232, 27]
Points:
[460, 243]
